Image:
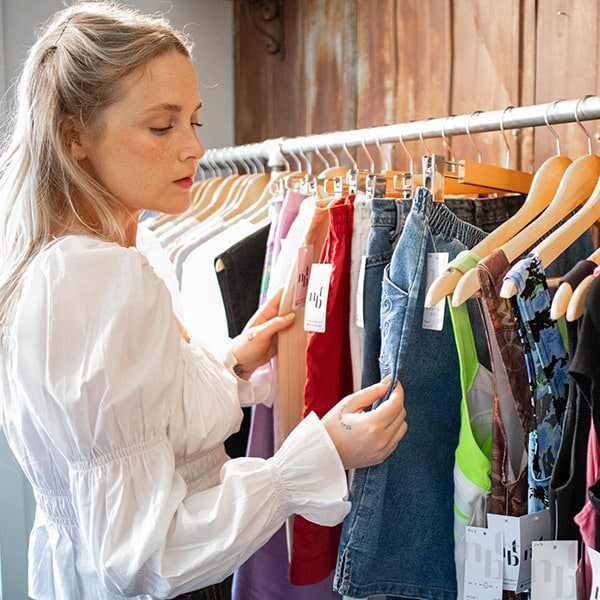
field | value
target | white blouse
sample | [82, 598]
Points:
[119, 426]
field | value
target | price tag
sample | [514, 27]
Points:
[316, 298]
[518, 534]
[433, 318]
[483, 564]
[554, 570]
[304, 264]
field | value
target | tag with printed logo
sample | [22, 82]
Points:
[304, 264]
[554, 570]
[484, 564]
[519, 533]
[315, 311]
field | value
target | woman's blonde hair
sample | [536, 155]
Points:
[73, 71]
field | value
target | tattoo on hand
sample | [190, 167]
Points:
[239, 370]
[342, 423]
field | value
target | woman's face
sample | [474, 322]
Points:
[146, 150]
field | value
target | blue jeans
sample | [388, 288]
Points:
[398, 537]
[387, 219]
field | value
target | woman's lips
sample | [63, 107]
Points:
[184, 182]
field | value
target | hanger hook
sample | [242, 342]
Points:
[259, 162]
[335, 156]
[366, 151]
[227, 158]
[445, 138]
[247, 165]
[587, 133]
[306, 161]
[354, 165]
[552, 130]
[468, 128]
[506, 143]
[427, 148]
[320, 155]
[296, 160]
[384, 160]
[411, 163]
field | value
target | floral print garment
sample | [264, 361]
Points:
[547, 368]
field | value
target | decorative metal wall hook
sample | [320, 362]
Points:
[271, 12]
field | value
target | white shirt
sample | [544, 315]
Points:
[118, 425]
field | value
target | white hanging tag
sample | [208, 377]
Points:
[316, 299]
[360, 288]
[554, 570]
[433, 317]
[483, 564]
[519, 533]
[304, 264]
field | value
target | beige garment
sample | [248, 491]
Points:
[290, 363]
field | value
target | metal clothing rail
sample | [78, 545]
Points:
[272, 151]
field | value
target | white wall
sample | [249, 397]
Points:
[208, 22]
[210, 25]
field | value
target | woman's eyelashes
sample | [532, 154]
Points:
[163, 130]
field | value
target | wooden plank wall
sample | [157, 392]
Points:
[363, 63]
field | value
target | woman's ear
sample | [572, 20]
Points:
[74, 138]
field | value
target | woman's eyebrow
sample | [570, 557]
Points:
[170, 107]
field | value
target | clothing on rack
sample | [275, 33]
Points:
[376, 555]
[385, 550]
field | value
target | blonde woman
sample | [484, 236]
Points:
[117, 419]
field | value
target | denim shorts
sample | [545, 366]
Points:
[398, 537]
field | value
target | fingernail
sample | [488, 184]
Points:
[387, 378]
[290, 316]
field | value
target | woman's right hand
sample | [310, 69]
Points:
[364, 438]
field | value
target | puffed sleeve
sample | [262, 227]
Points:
[113, 385]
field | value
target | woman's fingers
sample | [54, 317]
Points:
[365, 438]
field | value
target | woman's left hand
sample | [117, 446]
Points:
[256, 344]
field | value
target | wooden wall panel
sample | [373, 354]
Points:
[330, 66]
[485, 59]
[423, 79]
[288, 75]
[362, 63]
[567, 60]
[376, 72]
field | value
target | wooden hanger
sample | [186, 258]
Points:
[492, 178]
[575, 187]
[574, 306]
[578, 186]
[543, 188]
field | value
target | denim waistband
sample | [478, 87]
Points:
[388, 212]
[442, 221]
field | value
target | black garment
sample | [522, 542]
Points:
[585, 370]
[239, 272]
[568, 483]
[219, 591]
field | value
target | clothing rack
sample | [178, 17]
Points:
[272, 152]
